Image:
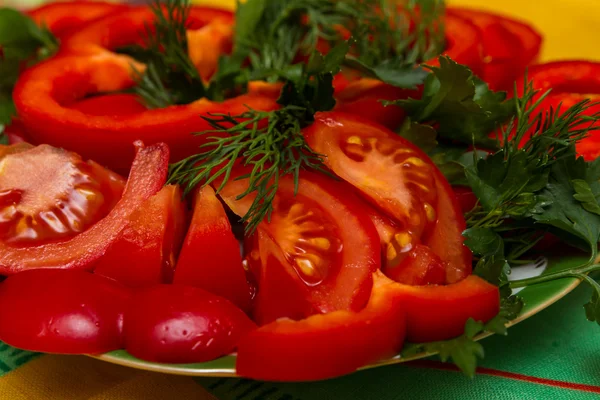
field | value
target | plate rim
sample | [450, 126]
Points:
[173, 369]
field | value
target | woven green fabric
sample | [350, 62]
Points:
[553, 355]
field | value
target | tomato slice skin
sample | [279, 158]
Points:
[145, 252]
[398, 179]
[440, 312]
[182, 324]
[67, 312]
[148, 174]
[65, 17]
[349, 243]
[326, 346]
[210, 258]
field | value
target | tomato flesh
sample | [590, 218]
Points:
[68, 312]
[146, 251]
[324, 246]
[48, 194]
[401, 182]
[210, 257]
[182, 324]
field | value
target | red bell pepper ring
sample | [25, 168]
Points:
[463, 43]
[146, 250]
[148, 175]
[128, 28]
[65, 17]
[62, 311]
[571, 82]
[509, 46]
[329, 345]
[210, 257]
[44, 94]
[110, 105]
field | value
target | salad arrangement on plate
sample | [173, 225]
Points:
[385, 164]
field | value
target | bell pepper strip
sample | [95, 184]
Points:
[43, 96]
[65, 17]
[182, 324]
[509, 46]
[110, 105]
[207, 44]
[146, 251]
[67, 312]
[129, 28]
[210, 257]
[319, 246]
[329, 345]
[401, 182]
[571, 82]
[148, 175]
[440, 312]
[16, 132]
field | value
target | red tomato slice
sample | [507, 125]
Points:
[147, 248]
[326, 346]
[182, 324]
[65, 17]
[210, 257]
[148, 175]
[58, 311]
[110, 105]
[509, 46]
[47, 194]
[319, 243]
[401, 181]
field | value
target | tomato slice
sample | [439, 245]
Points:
[401, 181]
[69, 312]
[145, 252]
[47, 194]
[182, 324]
[62, 18]
[210, 257]
[319, 243]
[326, 346]
[148, 175]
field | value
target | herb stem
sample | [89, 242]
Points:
[579, 273]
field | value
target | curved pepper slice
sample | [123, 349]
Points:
[338, 343]
[329, 345]
[44, 94]
[65, 17]
[148, 174]
[509, 46]
[571, 82]
[210, 257]
[146, 250]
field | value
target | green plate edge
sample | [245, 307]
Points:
[536, 299]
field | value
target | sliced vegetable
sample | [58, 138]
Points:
[146, 251]
[182, 324]
[210, 257]
[109, 105]
[326, 346]
[44, 94]
[148, 174]
[319, 246]
[68, 312]
[402, 182]
[49, 194]
[62, 18]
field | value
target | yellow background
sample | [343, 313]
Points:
[571, 28]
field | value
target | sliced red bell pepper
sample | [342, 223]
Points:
[110, 105]
[210, 257]
[146, 250]
[62, 18]
[509, 46]
[148, 174]
[44, 94]
[326, 346]
[16, 132]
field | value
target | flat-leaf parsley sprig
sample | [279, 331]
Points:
[270, 142]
